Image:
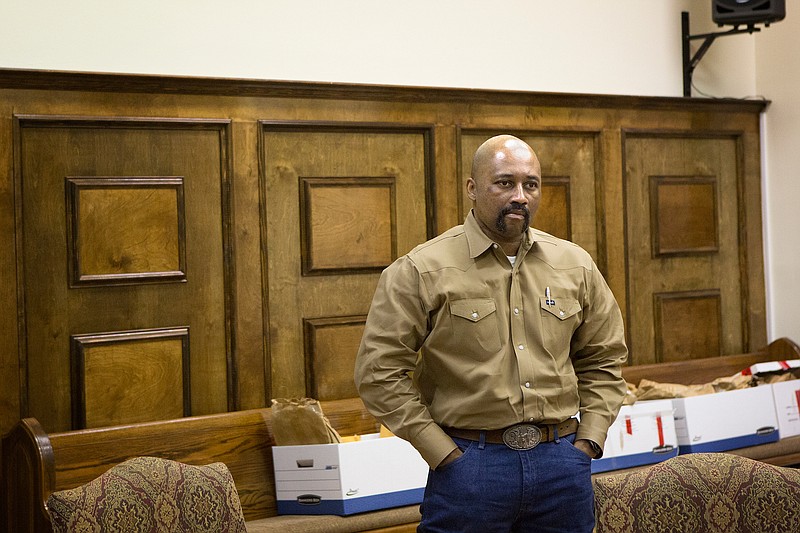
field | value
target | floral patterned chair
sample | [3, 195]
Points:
[149, 494]
[698, 493]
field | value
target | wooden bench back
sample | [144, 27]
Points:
[242, 440]
[698, 371]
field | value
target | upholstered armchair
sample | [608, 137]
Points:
[698, 493]
[149, 494]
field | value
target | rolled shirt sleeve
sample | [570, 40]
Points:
[397, 325]
[598, 352]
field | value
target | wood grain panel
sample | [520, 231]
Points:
[682, 173]
[331, 345]
[555, 208]
[130, 377]
[570, 178]
[688, 325]
[684, 215]
[251, 345]
[126, 230]
[329, 154]
[353, 214]
[52, 149]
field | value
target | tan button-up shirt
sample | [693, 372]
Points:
[456, 336]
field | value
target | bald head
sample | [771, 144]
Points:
[495, 150]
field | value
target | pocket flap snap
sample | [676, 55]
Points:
[473, 309]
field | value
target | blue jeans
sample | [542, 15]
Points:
[492, 488]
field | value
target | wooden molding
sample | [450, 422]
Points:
[139, 83]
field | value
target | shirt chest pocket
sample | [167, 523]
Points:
[560, 318]
[562, 309]
[475, 328]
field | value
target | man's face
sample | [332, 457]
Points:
[505, 189]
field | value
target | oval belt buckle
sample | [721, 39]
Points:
[522, 437]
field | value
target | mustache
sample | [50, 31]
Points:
[516, 207]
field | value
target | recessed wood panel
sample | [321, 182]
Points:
[688, 325]
[353, 214]
[684, 215]
[555, 210]
[130, 377]
[125, 230]
[331, 347]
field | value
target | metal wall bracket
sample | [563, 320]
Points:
[689, 61]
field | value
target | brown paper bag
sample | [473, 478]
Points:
[735, 382]
[652, 390]
[301, 421]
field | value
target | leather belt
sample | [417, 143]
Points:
[522, 436]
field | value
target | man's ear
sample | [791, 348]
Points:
[471, 189]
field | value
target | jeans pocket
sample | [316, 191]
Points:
[465, 446]
[578, 452]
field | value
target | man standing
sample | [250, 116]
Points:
[481, 346]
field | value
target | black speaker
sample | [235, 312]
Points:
[747, 11]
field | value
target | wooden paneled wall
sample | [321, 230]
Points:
[174, 246]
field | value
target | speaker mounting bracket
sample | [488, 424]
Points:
[691, 61]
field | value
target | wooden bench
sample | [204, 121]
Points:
[34, 464]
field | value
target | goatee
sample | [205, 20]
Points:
[501, 225]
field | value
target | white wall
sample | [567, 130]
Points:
[583, 46]
[778, 77]
[594, 46]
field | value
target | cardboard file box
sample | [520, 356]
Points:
[726, 420]
[771, 367]
[787, 407]
[352, 477]
[643, 433]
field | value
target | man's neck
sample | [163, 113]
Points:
[508, 247]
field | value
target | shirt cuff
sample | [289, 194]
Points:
[433, 444]
[593, 434]
[598, 451]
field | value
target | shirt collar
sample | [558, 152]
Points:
[479, 242]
